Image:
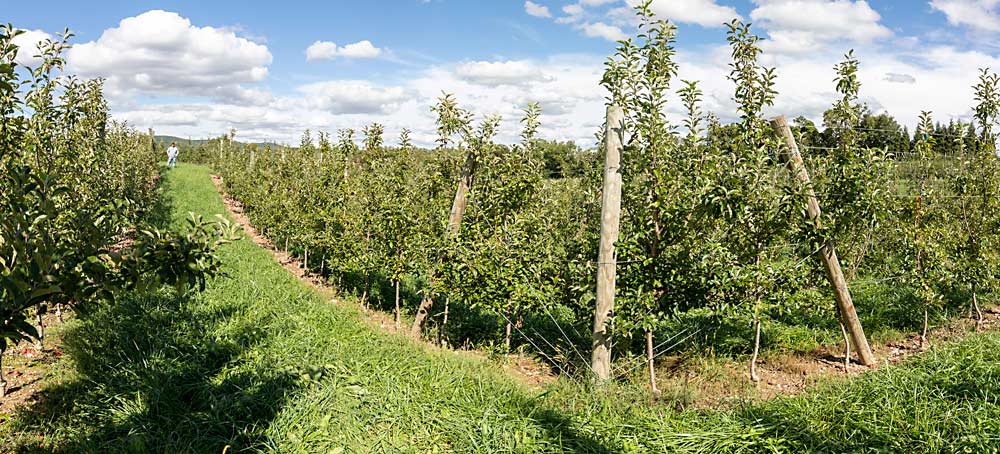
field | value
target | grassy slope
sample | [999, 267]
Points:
[259, 361]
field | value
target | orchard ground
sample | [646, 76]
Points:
[262, 361]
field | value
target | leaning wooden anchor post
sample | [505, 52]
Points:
[827, 254]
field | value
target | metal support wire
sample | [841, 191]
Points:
[540, 351]
[582, 358]
[625, 370]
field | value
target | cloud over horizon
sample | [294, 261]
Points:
[164, 71]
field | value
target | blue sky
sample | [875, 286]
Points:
[199, 68]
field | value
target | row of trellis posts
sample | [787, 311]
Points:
[610, 220]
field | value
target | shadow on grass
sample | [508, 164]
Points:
[160, 214]
[150, 378]
[558, 427]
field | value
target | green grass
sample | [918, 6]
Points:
[944, 401]
[261, 362]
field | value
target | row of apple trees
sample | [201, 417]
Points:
[75, 187]
[486, 234]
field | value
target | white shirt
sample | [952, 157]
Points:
[172, 152]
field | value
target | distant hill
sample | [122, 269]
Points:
[162, 140]
[180, 141]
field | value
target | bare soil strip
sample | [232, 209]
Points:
[26, 368]
[791, 374]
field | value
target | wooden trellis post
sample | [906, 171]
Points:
[611, 201]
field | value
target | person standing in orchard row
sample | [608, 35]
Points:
[172, 155]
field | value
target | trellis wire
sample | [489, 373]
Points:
[896, 131]
[540, 351]
[571, 343]
[630, 365]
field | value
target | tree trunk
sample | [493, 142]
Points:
[756, 343]
[286, 246]
[305, 261]
[651, 360]
[847, 342]
[506, 338]
[3, 383]
[442, 338]
[41, 327]
[59, 312]
[923, 333]
[422, 311]
[975, 305]
[397, 304]
[847, 347]
[364, 295]
[920, 271]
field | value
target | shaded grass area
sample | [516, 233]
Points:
[261, 362]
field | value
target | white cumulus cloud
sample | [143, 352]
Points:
[513, 72]
[162, 53]
[574, 13]
[707, 13]
[27, 43]
[602, 30]
[154, 116]
[353, 97]
[903, 79]
[534, 9]
[801, 26]
[979, 14]
[900, 78]
[326, 50]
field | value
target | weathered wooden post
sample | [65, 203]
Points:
[827, 254]
[611, 199]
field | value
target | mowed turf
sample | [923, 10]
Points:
[261, 362]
